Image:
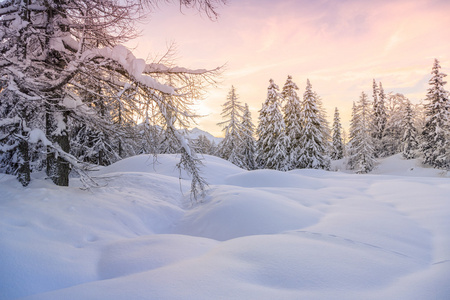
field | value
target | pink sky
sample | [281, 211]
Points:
[340, 45]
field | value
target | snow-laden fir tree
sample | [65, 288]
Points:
[337, 151]
[313, 142]
[202, 144]
[325, 125]
[354, 125]
[394, 129]
[361, 154]
[272, 140]
[379, 118]
[14, 150]
[247, 146]
[232, 113]
[93, 146]
[293, 121]
[435, 134]
[409, 141]
[49, 50]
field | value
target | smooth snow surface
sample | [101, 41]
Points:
[303, 234]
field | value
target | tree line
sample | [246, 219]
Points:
[295, 134]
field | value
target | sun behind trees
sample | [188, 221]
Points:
[71, 93]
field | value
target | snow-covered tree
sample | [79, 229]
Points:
[50, 49]
[293, 121]
[379, 118]
[247, 146]
[391, 142]
[435, 134]
[93, 146]
[409, 141]
[337, 151]
[14, 150]
[232, 113]
[354, 128]
[313, 142]
[324, 124]
[361, 157]
[202, 144]
[272, 140]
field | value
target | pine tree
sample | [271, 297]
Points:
[409, 140]
[202, 145]
[293, 121]
[14, 150]
[361, 156]
[337, 143]
[92, 146]
[169, 143]
[394, 129]
[247, 147]
[324, 124]
[313, 143]
[435, 146]
[379, 118]
[232, 113]
[272, 140]
[353, 140]
[264, 138]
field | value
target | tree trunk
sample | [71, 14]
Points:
[57, 168]
[23, 171]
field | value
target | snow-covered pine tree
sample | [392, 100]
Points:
[409, 141]
[149, 137]
[49, 49]
[92, 146]
[313, 142]
[394, 129]
[202, 145]
[293, 121]
[337, 151]
[14, 150]
[435, 146]
[232, 113]
[247, 147]
[263, 136]
[379, 118]
[272, 140]
[325, 125]
[361, 157]
[353, 140]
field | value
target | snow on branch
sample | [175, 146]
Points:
[9, 121]
[133, 66]
[140, 70]
[8, 10]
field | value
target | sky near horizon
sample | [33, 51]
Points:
[340, 45]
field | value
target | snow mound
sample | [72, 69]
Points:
[272, 178]
[145, 253]
[232, 212]
[397, 165]
[214, 169]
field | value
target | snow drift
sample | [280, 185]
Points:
[304, 234]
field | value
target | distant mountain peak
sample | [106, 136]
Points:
[196, 132]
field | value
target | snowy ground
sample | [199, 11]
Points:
[304, 234]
